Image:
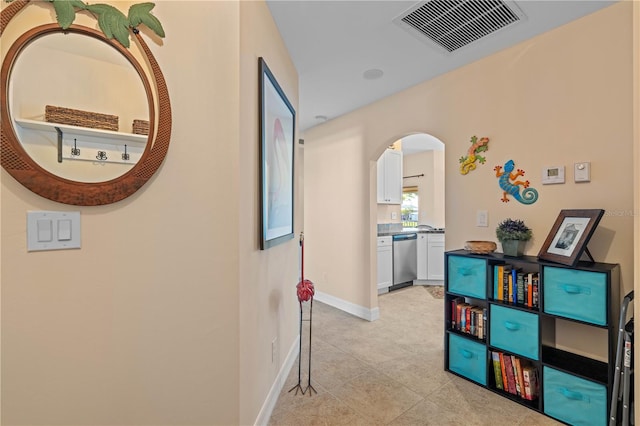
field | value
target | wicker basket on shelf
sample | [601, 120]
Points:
[76, 117]
[140, 127]
[480, 247]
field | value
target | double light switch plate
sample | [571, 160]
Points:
[50, 230]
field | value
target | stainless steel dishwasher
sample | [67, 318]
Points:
[405, 266]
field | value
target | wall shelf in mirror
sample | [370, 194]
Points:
[84, 131]
[82, 143]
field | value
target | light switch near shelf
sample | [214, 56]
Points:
[44, 230]
[51, 230]
[482, 218]
[64, 230]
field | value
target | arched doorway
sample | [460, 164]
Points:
[419, 210]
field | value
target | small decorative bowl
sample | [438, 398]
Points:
[480, 247]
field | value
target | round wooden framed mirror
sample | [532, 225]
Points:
[62, 187]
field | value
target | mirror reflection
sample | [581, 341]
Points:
[83, 81]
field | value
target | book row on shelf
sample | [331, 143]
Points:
[468, 318]
[515, 286]
[515, 375]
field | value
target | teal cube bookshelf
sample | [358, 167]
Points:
[516, 352]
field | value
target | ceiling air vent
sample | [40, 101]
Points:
[452, 24]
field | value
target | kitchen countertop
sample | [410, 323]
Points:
[411, 231]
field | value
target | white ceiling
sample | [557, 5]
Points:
[332, 43]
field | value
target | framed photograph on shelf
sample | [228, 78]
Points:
[569, 236]
[277, 132]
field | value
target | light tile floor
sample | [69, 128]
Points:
[389, 372]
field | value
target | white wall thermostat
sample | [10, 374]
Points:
[582, 172]
[552, 175]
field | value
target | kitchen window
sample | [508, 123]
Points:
[409, 207]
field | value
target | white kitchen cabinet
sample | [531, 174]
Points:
[390, 177]
[430, 254]
[385, 263]
[435, 256]
[421, 252]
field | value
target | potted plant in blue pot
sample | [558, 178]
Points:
[513, 234]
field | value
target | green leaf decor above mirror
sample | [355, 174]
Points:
[112, 22]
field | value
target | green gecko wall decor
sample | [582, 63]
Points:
[468, 162]
[528, 195]
[112, 22]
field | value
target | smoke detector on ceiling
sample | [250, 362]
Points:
[452, 24]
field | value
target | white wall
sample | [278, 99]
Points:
[268, 303]
[167, 312]
[140, 325]
[337, 233]
[562, 97]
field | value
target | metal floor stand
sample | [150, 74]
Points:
[310, 388]
[305, 293]
[622, 393]
[298, 386]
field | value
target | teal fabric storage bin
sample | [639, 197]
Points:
[467, 276]
[574, 400]
[514, 331]
[468, 358]
[580, 295]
